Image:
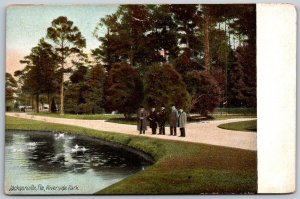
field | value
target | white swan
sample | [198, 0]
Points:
[59, 135]
[78, 149]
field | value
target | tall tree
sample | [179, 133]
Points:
[123, 89]
[67, 40]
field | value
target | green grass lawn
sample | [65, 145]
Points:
[240, 126]
[180, 167]
[122, 120]
[82, 117]
[223, 117]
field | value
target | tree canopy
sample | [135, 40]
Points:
[196, 56]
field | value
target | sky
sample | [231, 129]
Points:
[26, 25]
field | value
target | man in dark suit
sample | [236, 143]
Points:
[153, 120]
[162, 120]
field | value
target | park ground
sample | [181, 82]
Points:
[217, 161]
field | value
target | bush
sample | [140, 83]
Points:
[123, 89]
[164, 86]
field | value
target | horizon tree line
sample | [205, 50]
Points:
[196, 56]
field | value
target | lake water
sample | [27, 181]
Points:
[56, 163]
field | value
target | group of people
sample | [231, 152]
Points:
[158, 119]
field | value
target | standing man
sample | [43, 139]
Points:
[182, 122]
[162, 120]
[173, 120]
[142, 120]
[153, 120]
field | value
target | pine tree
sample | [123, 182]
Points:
[67, 40]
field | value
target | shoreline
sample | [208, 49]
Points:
[196, 159]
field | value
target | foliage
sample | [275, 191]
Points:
[123, 89]
[204, 91]
[164, 86]
[10, 91]
[10, 87]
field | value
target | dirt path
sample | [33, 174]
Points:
[200, 132]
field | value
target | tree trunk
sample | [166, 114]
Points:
[62, 81]
[37, 103]
[32, 103]
[206, 42]
[43, 104]
[62, 95]
[49, 103]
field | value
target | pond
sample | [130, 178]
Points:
[59, 163]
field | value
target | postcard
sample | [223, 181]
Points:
[150, 99]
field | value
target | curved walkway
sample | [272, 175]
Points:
[206, 132]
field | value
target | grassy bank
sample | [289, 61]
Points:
[180, 167]
[240, 126]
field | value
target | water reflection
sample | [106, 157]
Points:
[52, 158]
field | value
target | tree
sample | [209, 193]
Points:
[185, 16]
[137, 34]
[242, 82]
[123, 89]
[67, 40]
[204, 90]
[164, 86]
[10, 90]
[94, 94]
[74, 96]
[39, 74]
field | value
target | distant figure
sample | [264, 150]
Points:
[182, 122]
[153, 120]
[173, 120]
[142, 120]
[162, 120]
